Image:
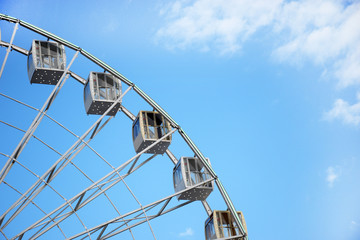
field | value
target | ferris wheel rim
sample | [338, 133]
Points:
[142, 94]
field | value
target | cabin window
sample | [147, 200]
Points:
[105, 87]
[48, 55]
[195, 172]
[87, 92]
[54, 56]
[44, 55]
[102, 87]
[136, 129]
[178, 175]
[151, 125]
[210, 230]
[37, 54]
[155, 126]
[30, 60]
[93, 77]
[225, 224]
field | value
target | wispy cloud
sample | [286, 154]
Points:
[347, 113]
[332, 174]
[206, 25]
[188, 232]
[323, 32]
[354, 225]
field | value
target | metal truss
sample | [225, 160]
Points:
[9, 48]
[119, 221]
[35, 122]
[94, 190]
[82, 172]
[124, 221]
[55, 169]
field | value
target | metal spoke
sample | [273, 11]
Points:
[9, 48]
[14, 47]
[102, 182]
[54, 170]
[122, 222]
[36, 207]
[66, 202]
[164, 200]
[70, 163]
[4, 171]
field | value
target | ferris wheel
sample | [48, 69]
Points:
[84, 159]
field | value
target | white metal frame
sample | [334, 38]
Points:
[122, 222]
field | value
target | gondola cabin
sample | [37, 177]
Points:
[149, 127]
[221, 225]
[188, 172]
[46, 62]
[100, 92]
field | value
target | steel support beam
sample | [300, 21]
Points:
[115, 220]
[141, 222]
[77, 78]
[14, 47]
[9, 48]
[145, 97]
[100, 183]
[27, 136]
[171, 156]
[62, 161]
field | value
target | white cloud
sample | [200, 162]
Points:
[188, 232]
[210, 24]
[331, 175]
[347, 113]
[324, 32]
[347, 70]
[354, 225]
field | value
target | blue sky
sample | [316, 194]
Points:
[269, 91]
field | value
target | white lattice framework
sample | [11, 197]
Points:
[52, 180]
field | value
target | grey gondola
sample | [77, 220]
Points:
[46, 62]
[188, 172]
[147, 128]
[100, 92]
[220, 224]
